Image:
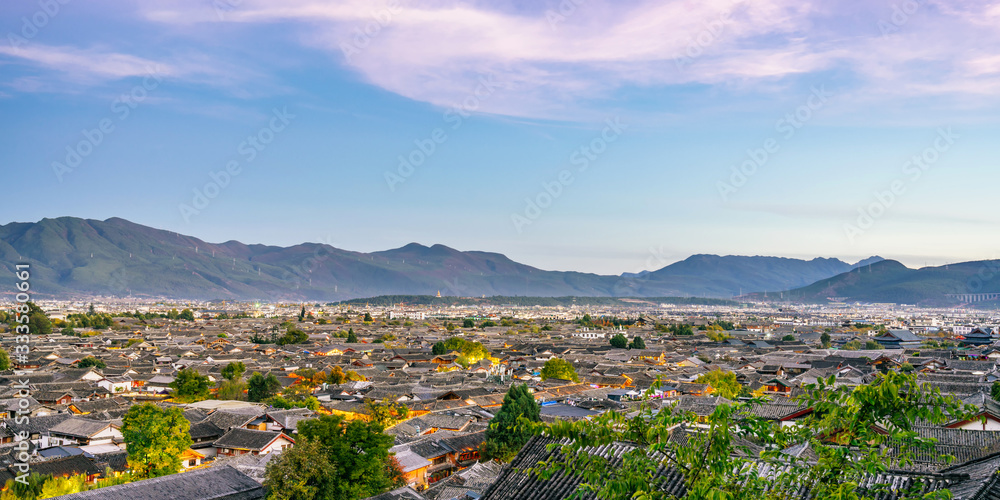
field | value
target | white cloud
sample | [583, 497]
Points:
[84, 65]
[435, 51]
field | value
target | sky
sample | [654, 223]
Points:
[587, 135]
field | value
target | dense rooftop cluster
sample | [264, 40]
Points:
[436, 397]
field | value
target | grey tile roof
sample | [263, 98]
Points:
[246, 439]
[79, 427]
[226, 419]
[76, 464]
[217, 483]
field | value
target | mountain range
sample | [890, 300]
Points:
[80, 257]
[889, 281]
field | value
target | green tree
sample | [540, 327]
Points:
[853, 345]
[619, 341]
[995, 390]
[351, 337]
[4, 360]
[232, 390]
[871, 345]
[725, 325]
[234, 370]
[847, 435]
[68, 329]
[788, 338]
[560, 369]
[385, 412]
[190, 385]
[681, 329]
[293, 336]
[302, 314]
[38, 321]
[724, 383]
[637, 343]
[89, 361]
[488, 323]
[474, 351]
[824, 339]
[337, 376]
[334, 459]
[716, 335]
[510, 428]
[260, 387]
[468, 323]
[368, 318]
[186, 314]
[284, 403]
[155, 438]
[57, 486]
[438, 349]
[299, 473]
[15, 490]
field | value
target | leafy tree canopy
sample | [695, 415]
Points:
[847, 433]
[259, 387]
[190, 385]
[155, 438]
[438, 349]
[637, 343]
[91, 361]
[234, 370]
[334, 459]
[560, 369]
[619, 341]
[724, 383]
[510, 428]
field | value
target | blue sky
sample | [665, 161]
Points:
[822, 104]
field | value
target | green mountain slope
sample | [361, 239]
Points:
[891, 281]
[115, 257]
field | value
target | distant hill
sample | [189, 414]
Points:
[891, 281]
[75, 257]
[718, 276]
